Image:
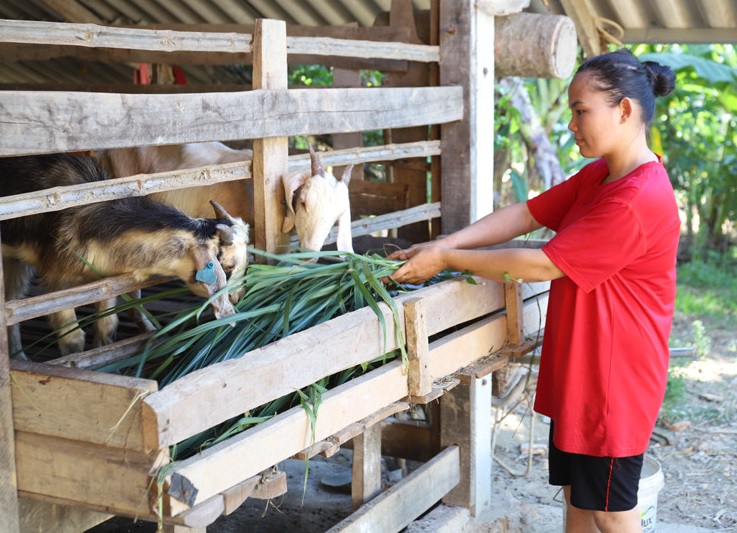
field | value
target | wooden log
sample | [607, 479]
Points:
[398, 506]
[548, 51]
[71, 124]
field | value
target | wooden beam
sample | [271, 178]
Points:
[8, 477]
[465, 421]
[86, 121]
[515, 308]
[250, 452]
[466, 39]
[418, 377]
[185, 407]
[366, 467]
[270, 154]
[45, 400]
[402, 503]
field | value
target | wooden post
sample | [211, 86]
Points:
[8, 479]
[467, 165]
[366, 482]
[419, 380]
[515, 313]
[270, 155]
[465, 420]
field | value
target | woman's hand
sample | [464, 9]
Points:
[424, 261]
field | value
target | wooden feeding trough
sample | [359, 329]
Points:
[89, 445]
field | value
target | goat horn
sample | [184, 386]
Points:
[317, 169]
[220, 211]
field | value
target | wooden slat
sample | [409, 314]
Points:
[244, 455]
[60, 198]
[418, 378]
[99, 408]
[85, 121]
[461, 348]
[398, 506]
[206, 397]
[96, 36]
[101, 477]
[19, 310]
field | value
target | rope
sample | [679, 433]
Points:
[605, 34]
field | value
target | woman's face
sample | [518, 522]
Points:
[594, 121]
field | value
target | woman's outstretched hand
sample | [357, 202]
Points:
[423, 261]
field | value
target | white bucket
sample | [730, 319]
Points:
[651, 481]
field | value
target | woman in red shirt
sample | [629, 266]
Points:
[612, 261]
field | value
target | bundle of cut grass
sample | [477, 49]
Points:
[280, 299]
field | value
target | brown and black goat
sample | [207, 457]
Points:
[316, 199]
[133, 235]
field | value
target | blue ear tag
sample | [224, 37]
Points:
[207, 274]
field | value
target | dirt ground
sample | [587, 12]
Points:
[696, 446]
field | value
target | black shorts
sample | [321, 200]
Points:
[597, 483]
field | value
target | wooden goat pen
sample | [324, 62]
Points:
[110, 436]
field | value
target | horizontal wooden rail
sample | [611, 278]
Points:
[159, 40]
[71, 125]
[17, 311]
[184, 407]
[142, 184]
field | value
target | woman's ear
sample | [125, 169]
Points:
[626, 108]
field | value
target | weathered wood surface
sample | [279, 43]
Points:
[266, 444]
[101, 477]
[35, 306]
[270, 155]
[85, 121]
[466, 42]
[95, 407]
[96, 36]
[187, 406]
[59, 198]
[402, 503]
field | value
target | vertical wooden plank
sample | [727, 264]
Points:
[8, 477]
[419, 380]
[515, 312]
[366, 482]
[465, 420]
[467, 59]
[270, 156]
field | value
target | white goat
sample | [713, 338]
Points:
[315, 200]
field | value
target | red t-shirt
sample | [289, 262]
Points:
[604, 362]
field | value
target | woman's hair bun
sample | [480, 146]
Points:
[662, 77]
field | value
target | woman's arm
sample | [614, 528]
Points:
[455, 252]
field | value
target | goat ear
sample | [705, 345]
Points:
[316, 165]
[226, 234]
[346, 177]
[292, 182]
[220, 212]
